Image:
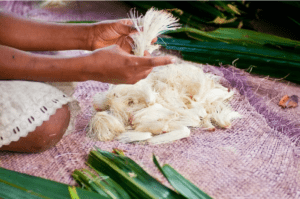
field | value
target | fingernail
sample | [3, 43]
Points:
[173, 60]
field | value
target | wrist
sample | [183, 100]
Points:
[90, 67]
[54, 69]
[90, 34]
[84, 36]
[74, 68]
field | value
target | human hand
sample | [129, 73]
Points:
[114, 65]
[112, 32]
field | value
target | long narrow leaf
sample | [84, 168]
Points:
[73, 192]
[298, 23]
[112, 185]
[101, 184]
[182, 185]
[201, 35]
[129, 175]
[205, 10]
[228, 7]
[267, 61]
[89, 183]
[252, 36]
[273, 69]
[194, 46]
[15, 185]
[9, 191]
[233, 35]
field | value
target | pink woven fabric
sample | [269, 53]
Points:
[257, 158]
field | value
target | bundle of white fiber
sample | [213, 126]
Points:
[52, 3]
[153, 119]
[104, 126]
[159, 109]
[133, 136]
[123, 100]
[170, 136]
[154, 23]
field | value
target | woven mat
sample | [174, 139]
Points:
[257, 158]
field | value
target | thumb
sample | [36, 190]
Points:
[156, 61]
[125, 29]
[147, 54]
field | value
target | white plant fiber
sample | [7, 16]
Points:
[169, 100]
[154, 23]
[104, 126]
[124, 100]
[180, 133]
[133, 136]
[153, 119]
[164, 105]
[100, 101]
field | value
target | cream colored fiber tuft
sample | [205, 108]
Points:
[159, 109]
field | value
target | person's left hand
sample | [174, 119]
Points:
[112, 32]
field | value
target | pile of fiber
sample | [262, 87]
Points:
[257, 157]
[159, 109]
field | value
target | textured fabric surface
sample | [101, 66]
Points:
[26, 105]
[69, 88]
[257, 158]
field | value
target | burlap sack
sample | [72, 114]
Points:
[257, 158]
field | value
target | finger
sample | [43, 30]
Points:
[120, 41]
[156, 61]
[127, 47]
[124, 29]
[130, 22]
[126, 21]
[144, 74]
[147, 72]
[154, 40]
[129, 40]
[147, 54]
[125, 43]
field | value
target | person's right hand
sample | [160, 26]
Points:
[107, 33]
[114, 65]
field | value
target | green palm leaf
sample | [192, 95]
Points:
[277, 63]
[182, 185]
[238, 36]
[129, 175]
[101, 184]
[15, 185]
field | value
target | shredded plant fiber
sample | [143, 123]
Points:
[159, 109]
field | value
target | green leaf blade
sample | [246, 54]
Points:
[233, 35]
[35, 184]
[73, 192]
[182, 185]
[24, 186]
[277, 63]
[101, 184]
[88, 183]
[11, 192]
[129, 175]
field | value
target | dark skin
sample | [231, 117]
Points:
[110, 61]
[45, 136]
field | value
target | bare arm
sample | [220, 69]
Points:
[19, 65]
[110, 64]
[37, 36]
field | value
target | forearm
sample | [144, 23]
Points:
[37, 36]
[18, 65]
[110, 64]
